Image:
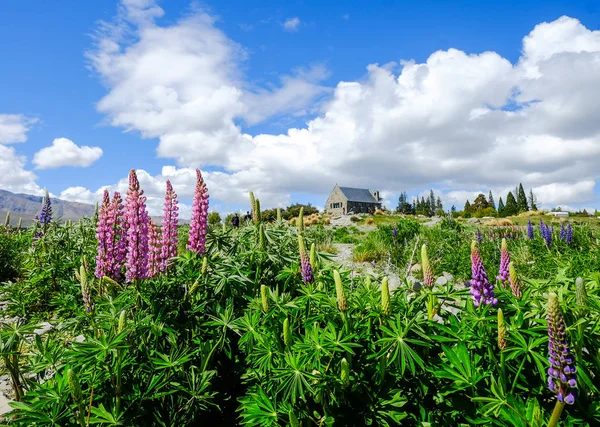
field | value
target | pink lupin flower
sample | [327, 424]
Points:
[119, 247]
[198, 222]
[155, 250]
[104, 236]
[137, 220]
[169, 227]
[503, 274]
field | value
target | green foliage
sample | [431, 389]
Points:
[12, 244]
[511, 207]
[214, 218]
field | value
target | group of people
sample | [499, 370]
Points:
[235, 221]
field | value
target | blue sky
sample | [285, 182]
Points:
[47, 79]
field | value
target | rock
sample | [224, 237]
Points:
[79, 338]
[441, 281]
[474, 221]
[417, 285]
[416, 267]
[449, 277]
[43, 328]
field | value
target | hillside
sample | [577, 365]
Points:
[27, 207]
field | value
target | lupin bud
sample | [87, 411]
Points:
[300, 221]
[345, 373]
[301, 247]
[278, 214]
[20, 223]
[513, 278]
[580, 292]
[339, 291]
[427, 272]
[262, 238]
[204, 265]
[385, 297]
[287, 332]
[264, 296]
[122, 321]
[293, 419]
[195, 286]
[257, 209]
[313, 256]
[502, 343]
[74, 386]
[253, 206]
[7, 220]
[224, 227]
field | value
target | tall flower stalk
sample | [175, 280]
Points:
[482, 290]
[306, 267]
[169, 227]
[46, 212]
[562, 378]
[154, 250]
[426, 266]
[569, 233]
[104, 236]
[199, 220]
[137, 220]
[503, 274]
[529, 230]
[515, 284]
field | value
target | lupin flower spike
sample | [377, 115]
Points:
[502, 343]
[562, 378]
[253, 207]
[386, 307]
[279, 218]
[580, 292]
[300, 220]
[481, 290]
[313, 256]
[199, 220]
[169, 227]
[105, 238]
[563, 231]
[287, 332]
[569, 234]
[46, 212]
[154, 250]
[137, 230]
[515, 284]
[479, 236]
[305, 265]
[504, 262]
[264, 297]
[345, 373]
[529, 230]
[339, 291]
[426, 266]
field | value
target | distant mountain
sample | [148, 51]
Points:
[27, 207]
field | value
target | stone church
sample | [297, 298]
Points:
[347, 200]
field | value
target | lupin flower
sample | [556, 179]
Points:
[122, 321]
[345, 373]
[169, 227]
[548, 236]
[502, 343]
[580, 294]
[287, 332]
[481, 289]
[306, 267]
[529, 230]
[7, 220]
[46, 212]
[569, 234]
[119, 225]
[339, 291]
[279, 218]
[562, 379]
[563, 232]
[386, 307]
[154, 250]
[137, 220]
[313, 256]
[105, 238]
[199, 220]
[515, 284]
[426, 266]
[86, 291]
[479, 236]
[504, 262]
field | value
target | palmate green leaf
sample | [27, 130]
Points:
[258, 409]
[105, 418]
[396, 348]
[176, 360]
[460, 369]
[293, 378]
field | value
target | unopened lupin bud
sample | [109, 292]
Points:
[278, 214]
[313, 256]
[293, 419]
[339, 291]
[427, 272]
[7, 220]
[345, 373]
[262, 238]
[502, 343]
[20, 223]
[224, 227]
[264, 296]
[287, 332]
[385, 297]
[252, 206]
[74, 386]
[513, 278]
[300, 221]
[257, 210]
[122, 321]
[204, 265]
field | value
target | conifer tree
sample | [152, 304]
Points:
[532, 201]
[500, 207]
[521, 200]
[491, 202]
[511, 208]
[467, 206]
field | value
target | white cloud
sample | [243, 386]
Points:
[64, 152]
[14, 176]
[14, 128]
[459, 122]
[291, 24]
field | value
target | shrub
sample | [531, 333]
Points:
[355, 218]
[214, 218]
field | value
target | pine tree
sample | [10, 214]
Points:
[511, 208]
[453, 209]
[532, 201]
[521, 200]
[431, 203]
[480, 202]
[491, 202]
[467, 206]
[438, 205]
[401, 203]
[500, 207]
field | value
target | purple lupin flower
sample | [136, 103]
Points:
[305, 266]
[479, 236]
[154, 250]
[548, 235]
[169, 227]
[503, 275]
[562, 378]
[481, 289]
[563, 231]
[137, 220]
[104, 236]
[198, 222]
[46, 212]
[119, 243]
[529, 229]
[569, 233]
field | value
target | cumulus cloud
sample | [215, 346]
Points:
[291, 24]
[458, 122]
[14, 128]
[14, 176]
[64, 152]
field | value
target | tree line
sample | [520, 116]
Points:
[425, 206]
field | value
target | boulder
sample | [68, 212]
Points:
[43, 328]
[441, 281]
[416, 267]
[474, 221]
